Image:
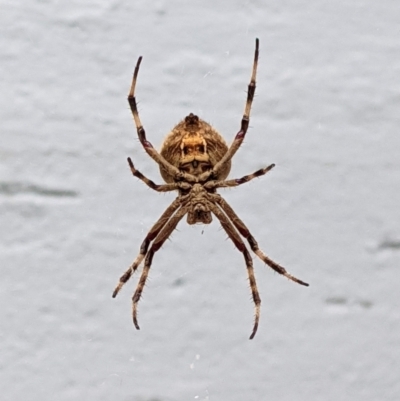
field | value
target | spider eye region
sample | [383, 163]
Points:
[199, 215]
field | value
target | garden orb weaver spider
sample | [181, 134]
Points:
[195, 161]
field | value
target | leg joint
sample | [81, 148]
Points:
[251, 91]
[243, 128]
[145, 245]
[252, 242]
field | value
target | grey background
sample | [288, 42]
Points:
[73, 217]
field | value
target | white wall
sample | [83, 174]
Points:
[73, 217]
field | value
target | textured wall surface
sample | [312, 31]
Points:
[326, 112]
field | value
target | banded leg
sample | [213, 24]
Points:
[148, 147]
[241, 227]
[158, 242]
[152, 234]
[150, 183]
[235, 237]
[238, 181]
[245, 120]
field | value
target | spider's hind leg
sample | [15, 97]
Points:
[245, 119]
[148, 147]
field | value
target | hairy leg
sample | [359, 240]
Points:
[152, 234]
[158, 242]
[238, 181]
[241, 227]
[148, 147]
[235, 237]
[244, 124]
[150, 183]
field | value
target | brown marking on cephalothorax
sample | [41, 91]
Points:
[199, 211]
[194, 147]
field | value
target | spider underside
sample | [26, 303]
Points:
[195, 161]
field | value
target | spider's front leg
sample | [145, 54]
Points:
[162, 236]
[235, 237]
[241, 227]
[152, 234]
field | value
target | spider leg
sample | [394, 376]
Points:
[156, 245]
[150, 183]
[245, 119]
[238, 181]
[148, 147]
[152, 234]
[235, 237]
[241, 227]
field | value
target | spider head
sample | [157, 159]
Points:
[199, 214]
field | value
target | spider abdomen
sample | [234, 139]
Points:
[194, 146]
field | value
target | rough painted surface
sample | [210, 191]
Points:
[72, 218]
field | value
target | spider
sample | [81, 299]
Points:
[195, 161]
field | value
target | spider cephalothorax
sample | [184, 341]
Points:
[195, 161]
